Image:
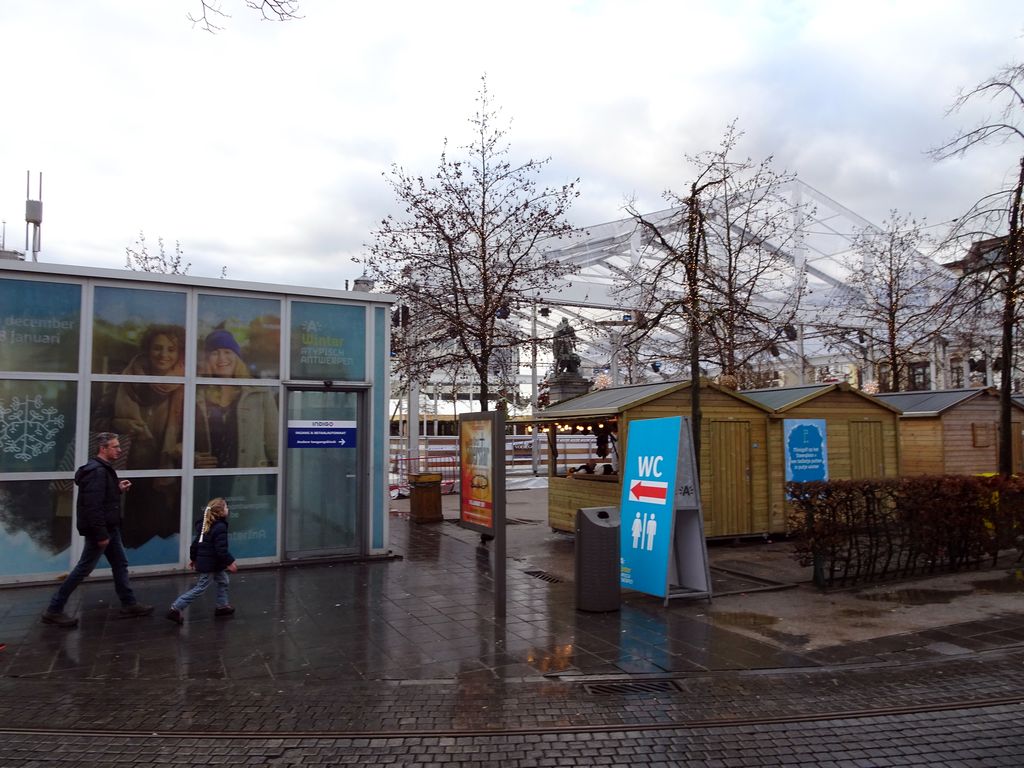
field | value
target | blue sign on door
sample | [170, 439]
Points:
[806, 442]
[648, 490]
[321, 433]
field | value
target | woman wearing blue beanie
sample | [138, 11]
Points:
[236, 426]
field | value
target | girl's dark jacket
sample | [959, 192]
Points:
[211, 554]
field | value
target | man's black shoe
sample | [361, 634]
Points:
[59, 619]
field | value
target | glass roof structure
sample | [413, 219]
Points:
[600, 302]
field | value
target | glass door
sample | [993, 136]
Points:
[322, 470]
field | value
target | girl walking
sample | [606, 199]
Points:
[212, 560]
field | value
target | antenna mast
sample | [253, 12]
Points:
[33, 215]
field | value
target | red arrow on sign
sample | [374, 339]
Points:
[651, 492]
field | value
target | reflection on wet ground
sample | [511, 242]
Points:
[916, 596]
[861, 613]
[760, 624]
[744, 619]
[1008, 584]
[728, 582]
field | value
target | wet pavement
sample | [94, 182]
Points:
[428, 615]
[402, 661]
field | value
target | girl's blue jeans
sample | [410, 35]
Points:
[221, 577]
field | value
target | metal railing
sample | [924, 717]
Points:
[402, 465]
[442, 451]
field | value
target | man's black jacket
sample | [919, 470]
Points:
[99, 499]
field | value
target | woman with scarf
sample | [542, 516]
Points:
[148, 417]
[235, 426]
[149, 414]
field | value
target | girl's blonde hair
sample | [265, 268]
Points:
[216, 509]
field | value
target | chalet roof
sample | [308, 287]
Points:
[780, 399]
[616, 400]
[605, 402]
[931, 402]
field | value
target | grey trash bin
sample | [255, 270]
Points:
[597, 559]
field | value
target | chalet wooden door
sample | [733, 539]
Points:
[731, 507]
[867, 451]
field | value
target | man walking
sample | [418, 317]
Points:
[99, 521]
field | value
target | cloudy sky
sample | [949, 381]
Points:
[262, 147]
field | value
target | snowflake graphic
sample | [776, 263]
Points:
[311, 326]
[28, 427]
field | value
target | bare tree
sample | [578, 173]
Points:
[210, 15]
[468, 253]
[720, 264]
[139, 259]
[993, 225]
[902, 301]
[752, 288]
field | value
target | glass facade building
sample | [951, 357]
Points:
[272, 397]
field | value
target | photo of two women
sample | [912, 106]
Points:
[140, 344]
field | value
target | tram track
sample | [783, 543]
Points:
[526, 731]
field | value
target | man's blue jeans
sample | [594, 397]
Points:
[114, 552]
[221, 577]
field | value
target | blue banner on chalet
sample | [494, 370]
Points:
[806, 442]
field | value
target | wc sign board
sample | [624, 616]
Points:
[648, 495]
[662, 534]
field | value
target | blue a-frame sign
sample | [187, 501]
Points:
[662, 547]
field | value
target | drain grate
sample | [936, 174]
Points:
[544, 576]
[631, 687]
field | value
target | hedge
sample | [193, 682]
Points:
[856, 531]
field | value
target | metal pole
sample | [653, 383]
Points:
[800, 352]
[535, 438]
[498, 515]
[615, 336]
[414, 422]
[414, 412]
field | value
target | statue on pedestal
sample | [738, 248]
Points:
[567, 362]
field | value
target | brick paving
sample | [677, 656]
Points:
[481, 702]
[905, 740]
[406, 650]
